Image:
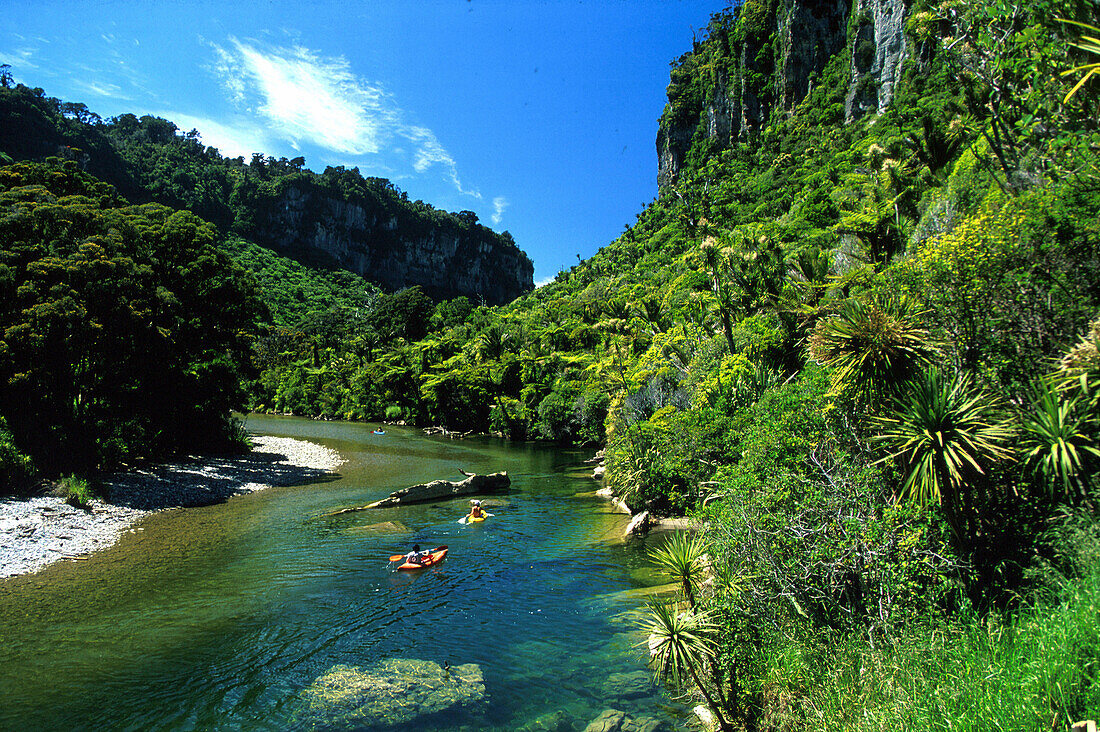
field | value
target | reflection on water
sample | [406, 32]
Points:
[219, 617]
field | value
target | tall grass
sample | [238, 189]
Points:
[78, 491]
[1037, 670]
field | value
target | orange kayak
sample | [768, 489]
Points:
[437, 556]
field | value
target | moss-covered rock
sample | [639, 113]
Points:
[392, 692]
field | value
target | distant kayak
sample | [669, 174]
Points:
[379, 432]
[473, 519]
[437, 556]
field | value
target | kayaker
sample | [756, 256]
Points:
[475, 509]
[416, 556]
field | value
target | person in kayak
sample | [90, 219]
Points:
[475, 509]
[416, 556]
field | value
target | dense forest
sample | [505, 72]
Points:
[855, 340]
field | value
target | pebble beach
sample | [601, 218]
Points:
[36, 532]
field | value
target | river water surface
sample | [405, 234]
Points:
[219, 617]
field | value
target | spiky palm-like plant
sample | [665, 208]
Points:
[1085, 43]
[874, 345]
[680, 644]
[681, 558]
[945, 432]
[1057, 440]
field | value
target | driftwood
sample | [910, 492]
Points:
[439, 490]
[447, 433]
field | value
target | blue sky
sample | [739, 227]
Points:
[540, 117]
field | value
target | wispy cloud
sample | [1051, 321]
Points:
[307, 98]
[499, 204]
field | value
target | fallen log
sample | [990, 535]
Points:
[439, 490]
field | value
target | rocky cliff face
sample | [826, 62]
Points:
[447, 255]
[763, 60]
[877, 50]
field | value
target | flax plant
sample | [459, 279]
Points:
[680, 645]
[1057, 441]
[681, 558]
[945, 433]
[873, 345]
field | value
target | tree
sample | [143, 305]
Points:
[681, 558]
[126, 332]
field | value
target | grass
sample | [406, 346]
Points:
[76, 490]
[1037, 670]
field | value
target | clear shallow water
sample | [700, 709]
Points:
[217, 618]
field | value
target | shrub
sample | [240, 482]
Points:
[16, 469]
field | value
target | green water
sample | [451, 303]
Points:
[219, 617]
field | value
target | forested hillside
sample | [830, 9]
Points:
[336, 219]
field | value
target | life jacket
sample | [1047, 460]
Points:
[476, 512]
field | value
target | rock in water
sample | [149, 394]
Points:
[443, 489]
[612, 720]
[552, 722]
[633, 685]
[390, 693]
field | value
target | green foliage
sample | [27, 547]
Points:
[77, 490]
[680, 645]
[681, 558]
[874, 345]
[16, 469]
[1058, 439]
[946, 434]
[1013, 672]
[126, 333]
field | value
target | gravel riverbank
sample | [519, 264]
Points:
[35, 532]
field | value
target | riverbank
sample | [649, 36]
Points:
[36, 532]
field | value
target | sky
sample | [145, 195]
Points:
[540, 117]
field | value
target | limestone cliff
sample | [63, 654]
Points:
[389, 241]
[761, 60]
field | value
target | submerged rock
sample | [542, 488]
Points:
[386, 527]
[392, 692]
[633, 685]
[557, 721]
[612, 720]
[442, 489]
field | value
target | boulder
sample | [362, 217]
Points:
[393, 692]
[612, 720]
[439, 490]
[386, 527]
[638, 526]
[617, 504]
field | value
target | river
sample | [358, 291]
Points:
[220, 617]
